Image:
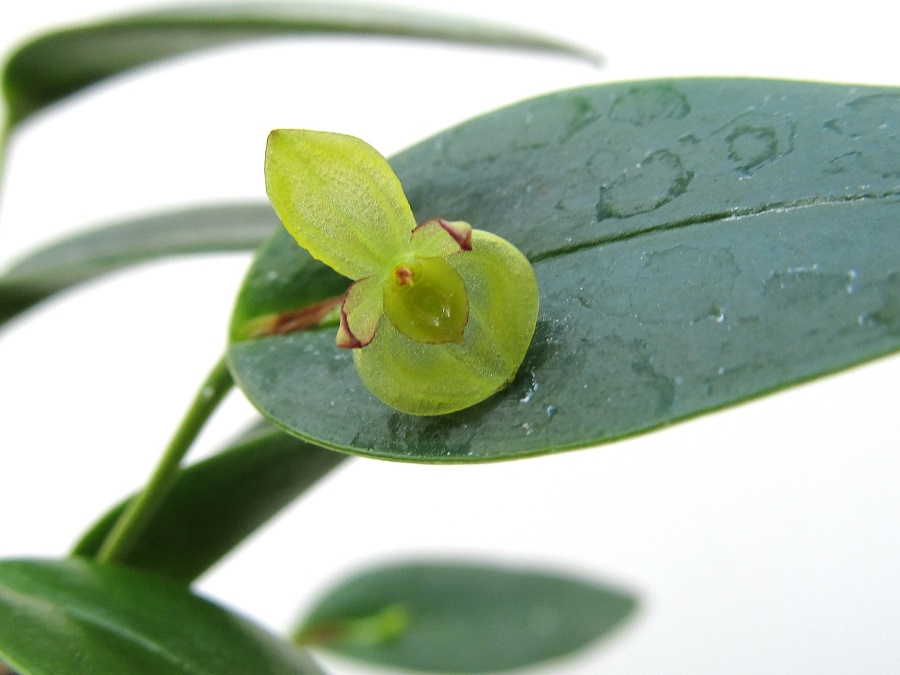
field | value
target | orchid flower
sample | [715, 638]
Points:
[439, 316]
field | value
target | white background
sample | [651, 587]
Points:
[763, 539]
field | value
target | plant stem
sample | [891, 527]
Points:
[5, 131]
[140, 510]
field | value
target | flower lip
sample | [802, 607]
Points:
[426, 300]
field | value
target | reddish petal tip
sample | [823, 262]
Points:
[345, 337]
[460, 231]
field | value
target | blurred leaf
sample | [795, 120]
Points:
[218, 502]
[466, 618]
[203, 229]
[55, 65]
[74, 616]
[697, 243]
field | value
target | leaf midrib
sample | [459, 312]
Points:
[718, 216]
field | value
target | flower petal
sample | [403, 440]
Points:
[435, 379]
[360, 313]
[439, 237]
[339, 199]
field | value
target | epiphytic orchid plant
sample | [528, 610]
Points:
[568, 271]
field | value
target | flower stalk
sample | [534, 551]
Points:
[141, 509]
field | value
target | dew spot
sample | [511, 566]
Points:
[865, 115]
[577, 195]
[530, 392]
[521, 130]
[643, 104]
[833, 125]
[870, 123]
[756, 139]
[803, 285]
[658, 179]
[750, 147]
[846, 162]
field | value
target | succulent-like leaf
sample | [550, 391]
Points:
[76, 616]
[214, 504]
[53, 66]
[87, 255]
[303, 285]
[697, 242]
[462, 617]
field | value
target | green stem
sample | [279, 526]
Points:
[140, 510]
[5, 131]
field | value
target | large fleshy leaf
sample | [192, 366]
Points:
[201, 229]
[61, 63]
[79, 617]
[214, 504]
[697, 243]
[462, 617]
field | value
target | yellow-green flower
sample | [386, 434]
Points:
[439, 315]
[419, 292]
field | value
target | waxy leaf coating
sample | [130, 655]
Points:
[439, 316]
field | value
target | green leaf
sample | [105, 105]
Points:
[301, 282]
[697, 243]
[202, 229]
[465, 618]
[216, 503]
[75, 616]
[61, 63]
